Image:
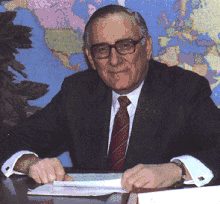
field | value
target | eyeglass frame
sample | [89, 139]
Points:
[135, 42]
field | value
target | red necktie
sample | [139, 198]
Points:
[120, 135]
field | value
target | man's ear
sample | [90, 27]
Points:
[88, 54]
[149, 47]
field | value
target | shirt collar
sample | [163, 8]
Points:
[133, 96]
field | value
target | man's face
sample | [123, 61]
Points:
[122, 73]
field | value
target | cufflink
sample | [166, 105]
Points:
[201, 178]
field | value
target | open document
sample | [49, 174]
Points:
[86, 184]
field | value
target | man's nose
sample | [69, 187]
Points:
[115, 58]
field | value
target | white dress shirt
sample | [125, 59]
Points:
[200, 174]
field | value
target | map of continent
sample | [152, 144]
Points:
[63, 29]
[192, 42]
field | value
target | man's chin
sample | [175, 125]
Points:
[121, 89]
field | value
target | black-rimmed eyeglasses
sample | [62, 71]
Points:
[123, 47]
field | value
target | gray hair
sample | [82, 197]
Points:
[103, 12]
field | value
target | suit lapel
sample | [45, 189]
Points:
[99, 120]
[147, 119]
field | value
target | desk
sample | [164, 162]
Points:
[14, 190]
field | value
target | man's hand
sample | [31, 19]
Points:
[48, 170]
[42, 171]
[151, 176]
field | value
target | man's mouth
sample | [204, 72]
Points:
[119, 71]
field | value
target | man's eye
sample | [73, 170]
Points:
[102, 49]
[125, 46]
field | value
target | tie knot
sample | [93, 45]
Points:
[124, 101]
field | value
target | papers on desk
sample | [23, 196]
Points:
[200, 195]
[83, 185]
[102, 184]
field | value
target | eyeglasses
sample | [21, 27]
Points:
[123, 47]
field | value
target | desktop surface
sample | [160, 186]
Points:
[14, 190]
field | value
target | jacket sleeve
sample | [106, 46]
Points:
[42, 133]
[204, 123]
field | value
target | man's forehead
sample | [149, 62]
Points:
[114, 27]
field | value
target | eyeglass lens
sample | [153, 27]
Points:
[123, 47]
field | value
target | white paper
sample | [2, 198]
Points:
[114, 183]
[200, 195]
[83, 185]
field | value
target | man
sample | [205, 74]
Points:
[169, 115]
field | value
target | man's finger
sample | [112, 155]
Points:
[68, 178]
[58, 169]
[44, 176]
[45, 170]
[148, 185]
[130, 173]
[33, 173]
[134, 182]
[143, 182]
[51, 173]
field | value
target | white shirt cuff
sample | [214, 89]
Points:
[8, 166]
[200, 174]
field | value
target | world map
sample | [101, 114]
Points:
[185, 33]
